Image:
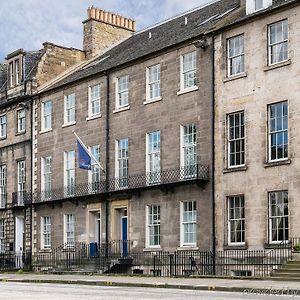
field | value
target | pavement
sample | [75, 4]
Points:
[245, 286]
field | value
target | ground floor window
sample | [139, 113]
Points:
[188, 223]
[46, 232]
[2, 236]
[278, 216]
[153, 225]
[236, 220]
[69, 229]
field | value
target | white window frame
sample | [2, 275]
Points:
[21, 181]
[151, 223]
[185, 223]
[69, 110]
[3, 186]
[11, 74]
[69, 173]
[45, 232]
[94, 98]
[256, 2]
[283, 41]
[241, 139]
[188, 171]
[284, 216]
[236, 219]
[251, 6]
[21, 120]
[2, 236]
[121, 163]
[156, 82]
[276, 132]
[46, 176]
[122, 88]
[69, 230]
[46, 116]
[231, 58]
[17, 71]
[183, 87]
[151, 156]
[95, 170]
[3, 126]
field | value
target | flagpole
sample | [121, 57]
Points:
[89, 152]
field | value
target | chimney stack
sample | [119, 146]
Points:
[102, 29]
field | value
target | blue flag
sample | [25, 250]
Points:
[84, 158]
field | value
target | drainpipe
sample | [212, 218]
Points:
[32, 170]
[213, 155]
[107, 158]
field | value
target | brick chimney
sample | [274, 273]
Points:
[102, 29]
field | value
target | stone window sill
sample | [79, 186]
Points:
[149, 101]
[275, 245]
[235, 169]
[278, 65]
[94, 117]
[120, 109]
[20, 133]
[3, 138]
[188, 90]
[234, 77]
[154, 249]
[188, 248]
[45, 250]
[45, 130]
[236, 247]
[68, 124]
[277, 163]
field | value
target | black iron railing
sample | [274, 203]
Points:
[120, 257]
[130, 183]
[15, 261]
[21, 199]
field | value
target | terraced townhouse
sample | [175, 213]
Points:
[20, 76]
[144, 108]
[197, 145]
[257, 114]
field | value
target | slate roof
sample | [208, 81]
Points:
[166, 34]
[163, 35]
[241, 16]
[31, 60]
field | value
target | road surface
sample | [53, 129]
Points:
[30, 291]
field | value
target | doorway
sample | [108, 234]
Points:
[94, 231]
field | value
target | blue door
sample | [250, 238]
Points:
[124, 236]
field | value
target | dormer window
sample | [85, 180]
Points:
[15, 72]
[14, 61]
[259, 4]
[253, 6]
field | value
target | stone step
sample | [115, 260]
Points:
[275, 278]
[284, 275]
[288, 270]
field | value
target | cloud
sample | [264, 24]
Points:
[27, 24]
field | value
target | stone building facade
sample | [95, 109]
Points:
[20, 76]
[144, 107]
[256, 113]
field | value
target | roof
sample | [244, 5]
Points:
[31, 59]
[164, 35]
[240, 15]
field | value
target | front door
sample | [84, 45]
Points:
[19, 235]
[19, 241]
[124, 236]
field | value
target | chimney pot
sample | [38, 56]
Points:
[93, 12]
[101, 17]
[97, 15]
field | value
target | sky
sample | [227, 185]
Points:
[28, 24]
